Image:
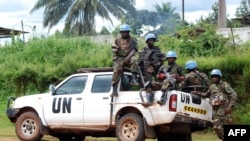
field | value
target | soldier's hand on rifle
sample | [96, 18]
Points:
[114, 48]
[127, 60]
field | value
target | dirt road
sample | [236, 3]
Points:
[47, 138]
[16, 139]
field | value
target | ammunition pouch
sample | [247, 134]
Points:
[217, 100]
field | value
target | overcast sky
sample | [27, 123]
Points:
[13, 11]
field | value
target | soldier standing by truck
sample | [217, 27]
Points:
[150, 60]
[175, 72]
[195, 80]
[222, 98]
[124, 48]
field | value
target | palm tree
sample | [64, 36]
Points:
[167, 17]
[81, 13]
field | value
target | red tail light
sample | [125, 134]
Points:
[173, 102]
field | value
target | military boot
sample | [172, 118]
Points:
[150, 99]
[133, 81]
[114, 93]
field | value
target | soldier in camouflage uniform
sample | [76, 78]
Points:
[124, 48]
[150, 60]
[147, 58]
[175, 71]
[195, 80]
[223, 99]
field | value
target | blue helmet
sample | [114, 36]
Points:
[191, 64]
[171, 54]
[124, 27]
[216, 72]
[150, 36]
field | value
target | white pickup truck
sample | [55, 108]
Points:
[81, 106]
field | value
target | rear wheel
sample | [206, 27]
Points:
[28, 127]
[130, 128]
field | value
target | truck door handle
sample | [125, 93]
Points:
[105, 98]
[78, 98]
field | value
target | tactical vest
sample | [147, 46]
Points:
[218, 95]
[173, 68]
[145, 61]
[124, 46]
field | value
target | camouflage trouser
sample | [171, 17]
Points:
[118, 65]
[220, 119]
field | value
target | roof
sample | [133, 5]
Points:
[85, 70]
[6, 32]
[102, 69]
[244, 20]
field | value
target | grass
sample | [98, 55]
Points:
[210, 136]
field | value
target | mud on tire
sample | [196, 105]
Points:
[130, 128]
[28, 127]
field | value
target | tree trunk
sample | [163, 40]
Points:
[88, 20]
[222, 20]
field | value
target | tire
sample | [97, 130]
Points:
[71, 138]
[130, 128]
[28, 127]
[175, 137]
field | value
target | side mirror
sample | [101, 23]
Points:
[52, 89]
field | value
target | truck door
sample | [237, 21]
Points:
[65, 106]
[97, 103]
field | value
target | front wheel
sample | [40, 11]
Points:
[28, 127]
[130, 128]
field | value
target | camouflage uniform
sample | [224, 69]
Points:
[125, 47]
[221, 96]
[147, 63]
[172, 69]
[196, 78]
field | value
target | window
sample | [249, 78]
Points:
[102, 84]
[74, 85]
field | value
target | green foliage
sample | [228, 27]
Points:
[243, 9]
[104, 31]
[33, 66]
[195, 41]
[241, 113]
[212, 16]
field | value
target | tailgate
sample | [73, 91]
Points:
[193, 106]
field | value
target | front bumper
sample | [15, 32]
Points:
[11, 113]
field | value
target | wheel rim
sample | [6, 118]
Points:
[28, 127]
[129, 130]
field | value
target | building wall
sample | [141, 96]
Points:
[241, 35]
[103, 39]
